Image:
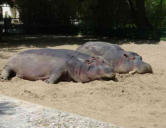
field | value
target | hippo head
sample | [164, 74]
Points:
[131, 61]
[141, 67]
[99, 69]
[91, 68]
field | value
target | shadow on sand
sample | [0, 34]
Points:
[7, 108]
[42, 41]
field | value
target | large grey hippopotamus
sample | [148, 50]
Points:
[53, 65]
[122, 61]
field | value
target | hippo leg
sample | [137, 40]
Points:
[54, 77]
[134, 71]
[7, 73]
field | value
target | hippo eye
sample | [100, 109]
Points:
[102, 61]
[93, 58]
[88, 62]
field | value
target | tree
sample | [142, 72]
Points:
[95, 16]
[47, 15]
[105, 16]
[139, 14]
[156, 13]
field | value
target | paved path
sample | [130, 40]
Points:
[20, 114]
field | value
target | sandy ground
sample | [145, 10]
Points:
[135, 101]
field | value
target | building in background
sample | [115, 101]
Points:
[9, 19]
[10, 12]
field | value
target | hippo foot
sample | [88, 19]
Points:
[4, 75]
[133, 72]
[7, 73]
[3, 79]
[48, 81]
[51, 80]
[115, 79]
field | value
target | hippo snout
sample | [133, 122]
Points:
[144, 68]
[148, 68]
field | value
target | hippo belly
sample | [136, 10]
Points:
[34, 66]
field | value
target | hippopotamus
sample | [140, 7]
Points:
[120, 60]
[53, 65]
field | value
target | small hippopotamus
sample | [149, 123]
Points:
[53, 65]
[120, 60]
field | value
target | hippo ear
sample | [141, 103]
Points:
[125, 55]
[88, 62]
[140, 57]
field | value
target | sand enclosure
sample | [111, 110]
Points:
[135, 101]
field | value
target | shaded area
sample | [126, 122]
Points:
[132, 19]
[43, 41]
[7, 108]
[163, 34]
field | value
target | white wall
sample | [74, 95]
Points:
[7, 11]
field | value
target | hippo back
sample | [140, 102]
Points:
[122, 61]
[110, 52]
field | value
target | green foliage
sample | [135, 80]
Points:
[104, 16]
[156, 12]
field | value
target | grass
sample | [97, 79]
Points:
[163, 38]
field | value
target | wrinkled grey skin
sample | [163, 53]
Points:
[122, 61]
[53, 65]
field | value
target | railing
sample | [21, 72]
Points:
[10, 25]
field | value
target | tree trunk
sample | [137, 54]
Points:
[139, 14]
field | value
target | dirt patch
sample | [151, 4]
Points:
[135, 101]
